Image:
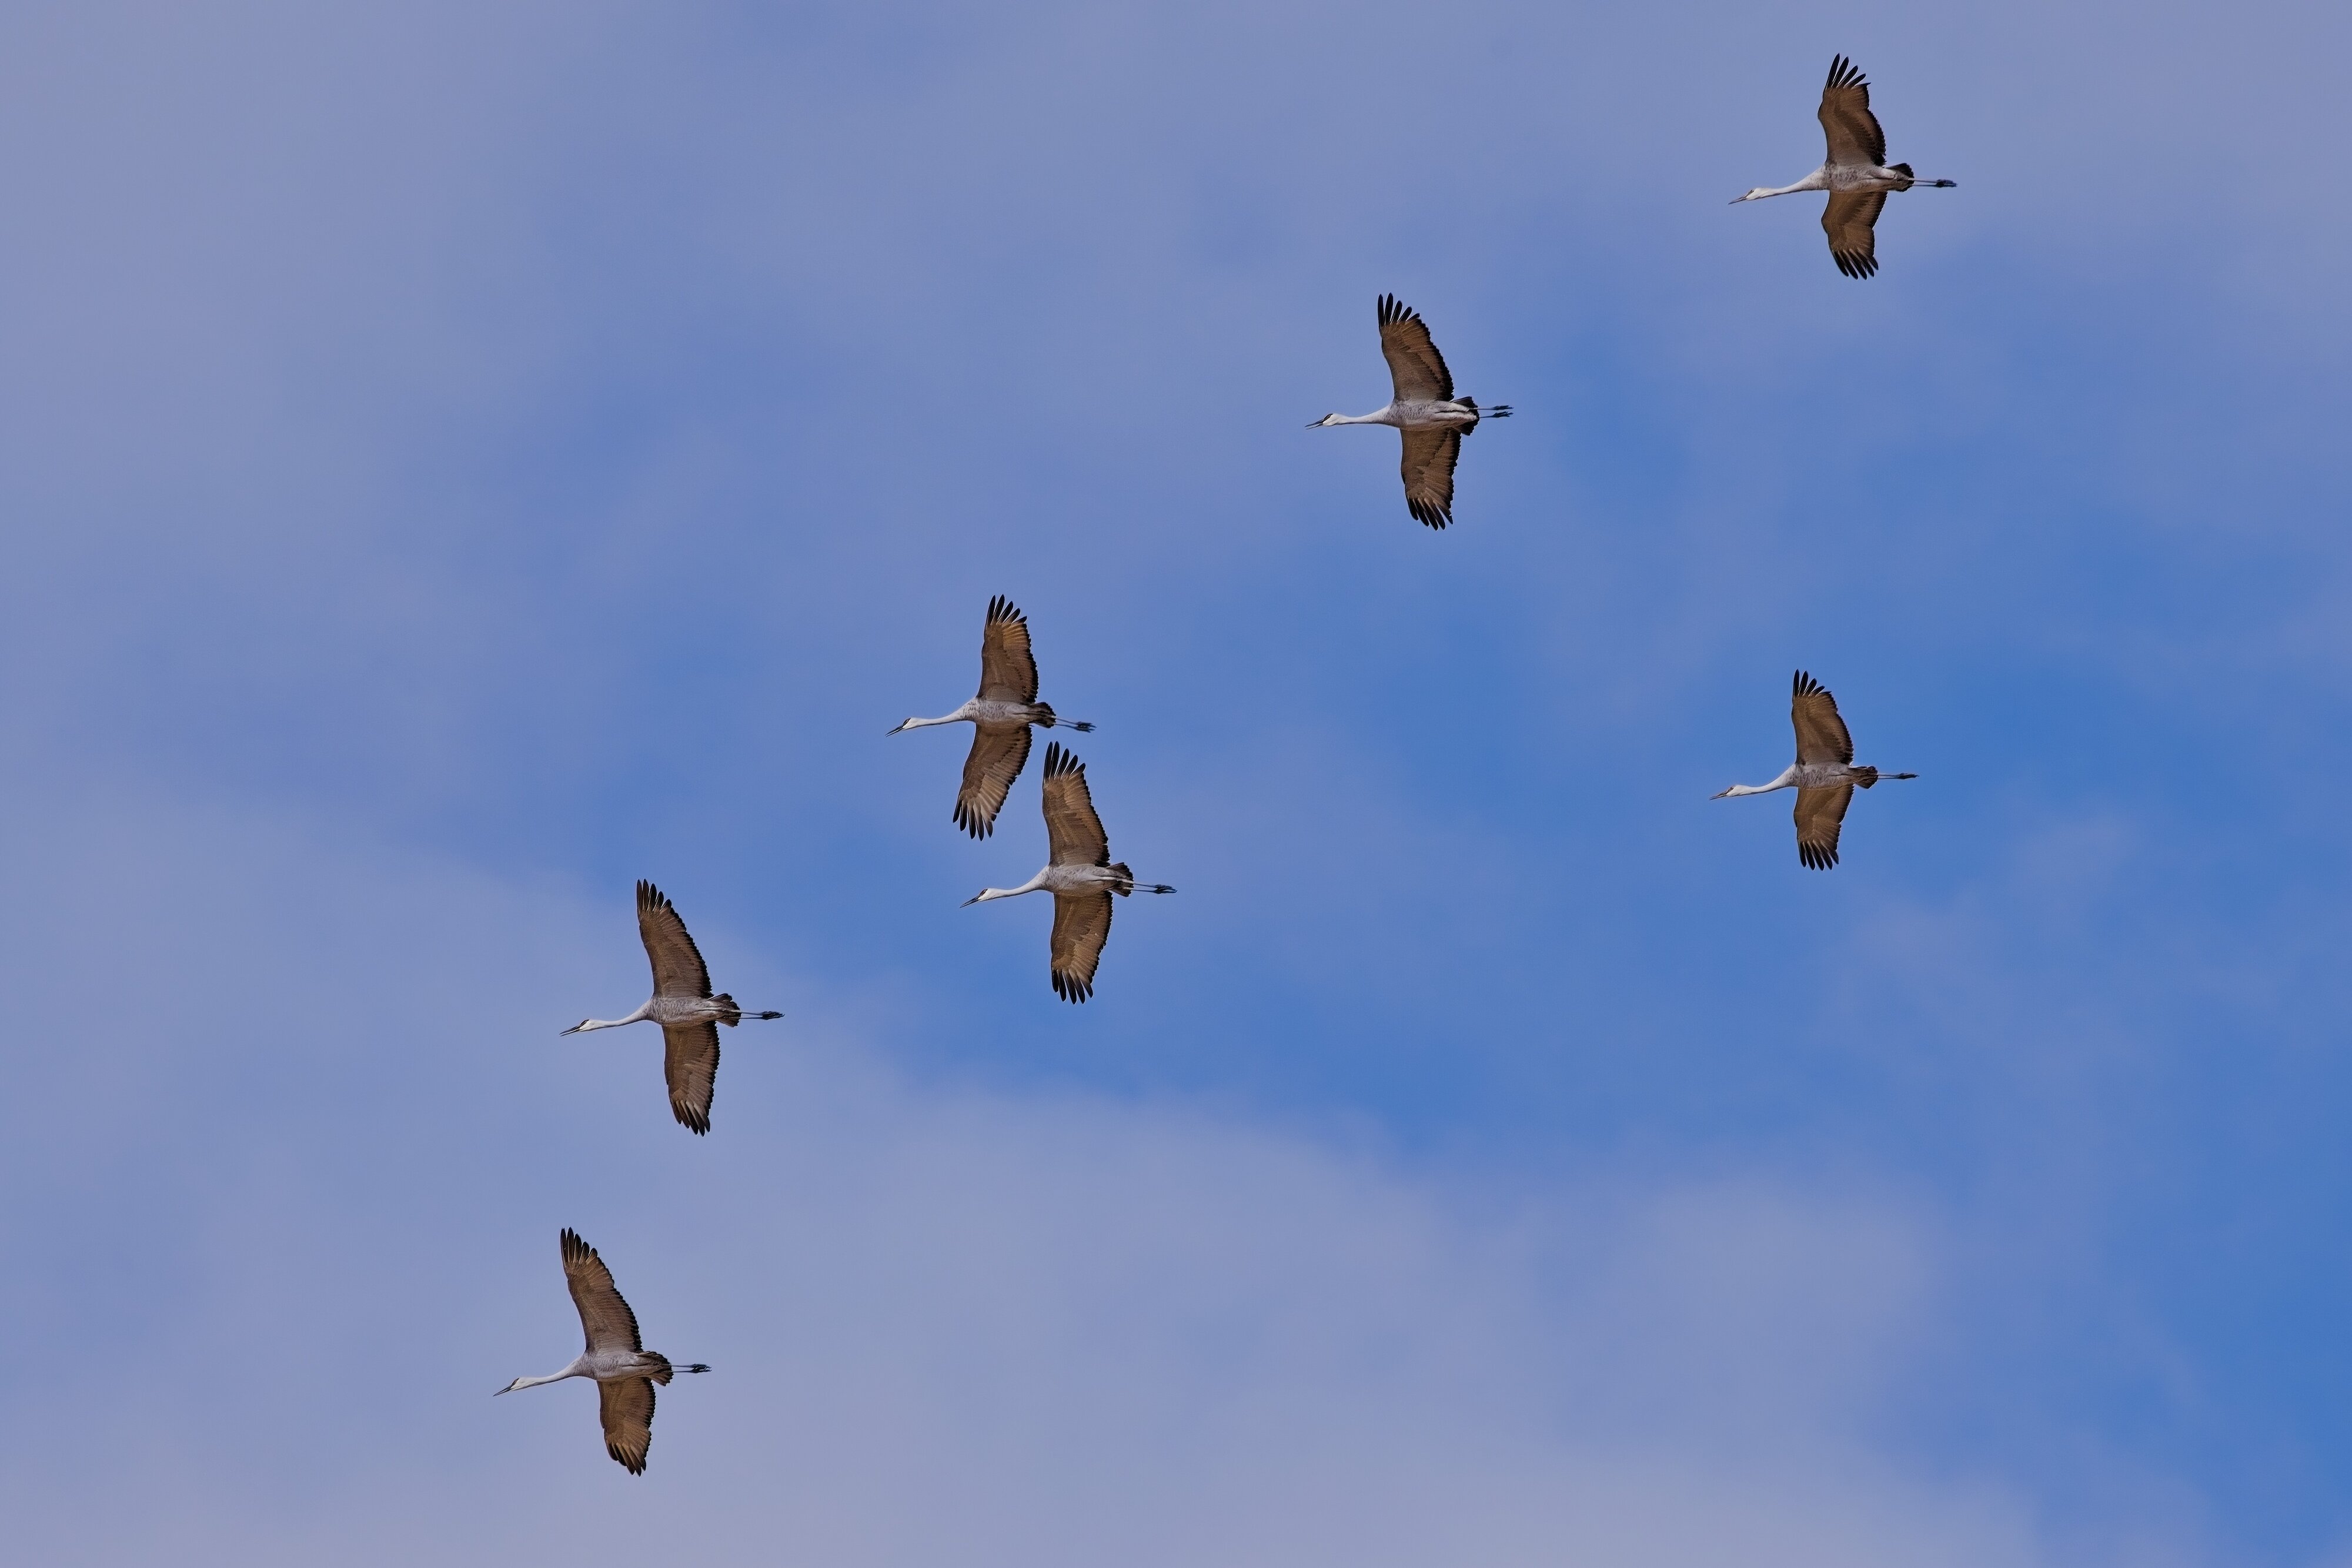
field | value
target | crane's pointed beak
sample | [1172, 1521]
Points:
[575, 1029]
[975, 898]
[892, 731]
[1719, 794]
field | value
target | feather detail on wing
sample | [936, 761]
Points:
[1008, 670]
[1081, 925]
[690, 1066]
[1821, 737]
[1849, 220]
[625, 1405]
[679, 968]
[1855, 138]
[996, 761]
[604, 1315]
[1072, 829]
[1427, 467]
[1417, 370]
[1818, 814]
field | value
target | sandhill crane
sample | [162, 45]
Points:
[1856, 173]
[1823, 776]
[1000, 717]
[1080, 877]
[624, 1370]
[682, 1004]
[1424, 409]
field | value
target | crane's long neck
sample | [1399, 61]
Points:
[1032, 885]
[645, 1011]
[1819, 180]
[1786, 782]
[961, 716]
[574, 1370]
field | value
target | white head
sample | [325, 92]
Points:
[1327, 419]
[575, 1029]
[1758, 191]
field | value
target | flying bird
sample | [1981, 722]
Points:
[1856, 173]
[1080, 877]
[624, 1370]
[682, 1004]
[1823, 776]
[1000, 717]
[1424, 409]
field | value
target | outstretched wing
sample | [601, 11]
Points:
[996, 759]
[1416, 370]
[691, 1063]
[625, 1405]
[679, 968]
[1852, 131]
[1818, 814]
[1428, 470]
[1072, 829]
[1849, 220]
[1008, 671]
[1822, 738]
[606, 1318]
[1081, 925]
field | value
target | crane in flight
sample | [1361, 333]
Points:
[1000, 717]
[1080, 876]
[1856, 173]
[682, 1004]
[616, 1357]
[1823, 776]
[1426, 414]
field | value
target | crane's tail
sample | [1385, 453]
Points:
[1499, 411]
[1126, 882]
[1048, 718]
[735, 1014]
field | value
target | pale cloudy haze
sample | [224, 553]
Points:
[462, 459]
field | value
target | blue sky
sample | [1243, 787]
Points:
[463, 458]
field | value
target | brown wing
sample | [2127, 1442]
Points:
[1072, 829]
[1416, 370]
[1428, 470]
[1818, 813]
[1008, 671]
[1852, 131]
[625, 1405]
[679, 968]
[996, 760]
[1848, 220]
[1081, 925]
[609, 1324]
[1822, 738]
[691, 1063]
